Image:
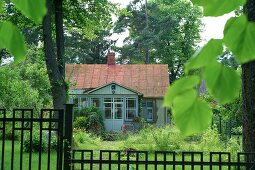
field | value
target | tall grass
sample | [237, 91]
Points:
[166, 138]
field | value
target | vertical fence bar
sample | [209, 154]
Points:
[164, 160]
[174, 160]
[128, 159]
[49, 140]
[68, 136]
[40, 141]
[100, 160]
[30, 137]
[3, 138]
[155, 160]
[118, 159]
[146, 160]
[22, 139]
[60, 139]
[110, 158]
[13, 127]
[91, 160]
[82, 158]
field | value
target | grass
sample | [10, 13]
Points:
[25, 161]
[152, 139]
[149, 139]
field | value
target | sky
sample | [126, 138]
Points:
[213, 26]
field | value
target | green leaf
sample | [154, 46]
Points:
[178, 87]
[222, 82]
[12, 39]
[206, 55]
[191, 115]
[1, 5]
[239, 36]
[218, 7]
[33, 9]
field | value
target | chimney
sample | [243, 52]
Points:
[111, 58]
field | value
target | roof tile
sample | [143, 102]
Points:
[151, 80]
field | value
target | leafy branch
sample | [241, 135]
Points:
[192, 115]
[10, 36]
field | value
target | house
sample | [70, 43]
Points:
[122, 92]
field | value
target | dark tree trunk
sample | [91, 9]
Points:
[248, 93]
[60, 35]
[58, 87]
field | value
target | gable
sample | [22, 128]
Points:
[112, 88]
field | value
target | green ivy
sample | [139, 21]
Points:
[1, 5]
[191, 114]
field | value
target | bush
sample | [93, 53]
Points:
[114, 136]
[89, 119]
[210, 141]
[82, 138]
[233, 146]
[80, 123]
[8, 133]
[167, 139]
[155, 138]
[36, 146]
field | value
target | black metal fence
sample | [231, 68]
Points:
[30, 140]
[110, 159]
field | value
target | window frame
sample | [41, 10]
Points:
[130, 108]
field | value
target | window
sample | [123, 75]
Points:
[149, 109]
[130, 108]
[95, 102]
[84, 102]
[108, 108]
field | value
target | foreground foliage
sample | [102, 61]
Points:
[223, 83]
[165, 138]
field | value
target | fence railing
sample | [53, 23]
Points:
[165, 160]
[30, 140]
[23, 133]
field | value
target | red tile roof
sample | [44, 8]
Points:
[151, 80]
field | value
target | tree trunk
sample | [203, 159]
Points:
[58, 87]
[248, 93]
[60, 35]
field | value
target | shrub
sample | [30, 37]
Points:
[36, 146]
[86, 139]
[80, 123]
[54, 142]
[167, 138]
[233, 146]
[210, 141]
[89, 119]
[8, 133]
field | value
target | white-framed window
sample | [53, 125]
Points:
[84, 102]
[95, 102]
[130, 108]
[149, 110]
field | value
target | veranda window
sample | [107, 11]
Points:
[149, 109]
[130, 108]
[95, 102]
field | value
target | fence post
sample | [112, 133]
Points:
[68, 142]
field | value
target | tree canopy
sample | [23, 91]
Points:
[171, 36]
